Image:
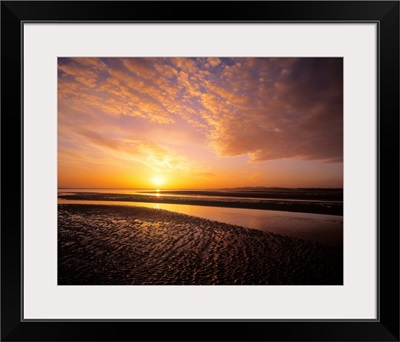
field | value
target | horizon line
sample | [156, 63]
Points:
[238, 187]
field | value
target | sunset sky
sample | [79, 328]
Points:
[200, 123]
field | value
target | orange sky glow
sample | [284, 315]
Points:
[200, 123]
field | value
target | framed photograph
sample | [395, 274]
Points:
[200, 171]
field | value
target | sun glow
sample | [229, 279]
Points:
[167, 123]
[158, 180]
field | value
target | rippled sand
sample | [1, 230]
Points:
[120, 245]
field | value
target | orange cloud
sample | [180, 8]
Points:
[214, 61]
[265, 108]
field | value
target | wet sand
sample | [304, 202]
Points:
[281, 193]
[121, 245]
[305, 206]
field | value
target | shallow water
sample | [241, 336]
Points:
[327, 229]
[218, 194]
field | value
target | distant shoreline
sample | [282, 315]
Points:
[255, 189]
[312, 206]
[316, 194]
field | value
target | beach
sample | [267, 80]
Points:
[124, 245]
[294, 201]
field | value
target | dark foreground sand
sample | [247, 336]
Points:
[121, 245]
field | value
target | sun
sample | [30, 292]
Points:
[158, 180]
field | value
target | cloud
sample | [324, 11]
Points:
[156, 157]
[187, 65]
[265, 108]
[277, 110]
[143, 68]
[214, 61]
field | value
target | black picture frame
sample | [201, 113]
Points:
[384, 13]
